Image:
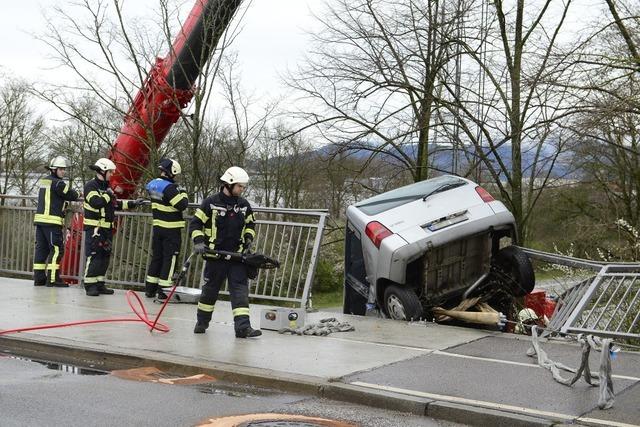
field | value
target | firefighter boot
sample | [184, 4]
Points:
[104, 290]
[38, 283]
[161, 295]
[248, 332]
[92, 290]
[150, 289]
[201, 327]
[57, 284]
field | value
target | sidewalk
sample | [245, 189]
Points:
[464, 375]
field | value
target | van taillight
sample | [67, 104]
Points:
[484, 195]
[376, 232]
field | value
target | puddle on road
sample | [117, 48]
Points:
[55, 366]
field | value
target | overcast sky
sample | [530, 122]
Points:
[271, 40]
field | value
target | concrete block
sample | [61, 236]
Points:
[476, 416]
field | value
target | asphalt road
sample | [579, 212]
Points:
[33, 394]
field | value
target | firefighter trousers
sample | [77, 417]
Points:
[215, 273]
[165, 247]
[97, 244]
[48, 253]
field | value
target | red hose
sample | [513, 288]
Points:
[141, 316]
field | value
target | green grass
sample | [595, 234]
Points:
[327, 299]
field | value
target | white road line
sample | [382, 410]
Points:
[605, 422]
[472, 402]
[492, 405]
[509, 362]
[404, 347]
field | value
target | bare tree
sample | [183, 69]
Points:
[372, 77]
[21, 137]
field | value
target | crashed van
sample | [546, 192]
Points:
[429, 244]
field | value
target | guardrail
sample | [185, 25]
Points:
[605, 304]
[293, 236]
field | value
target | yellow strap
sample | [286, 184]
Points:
[240, 311]
[205, 307]
[177, 198]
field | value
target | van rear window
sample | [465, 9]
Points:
[400, 196]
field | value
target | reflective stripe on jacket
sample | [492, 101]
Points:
[52, 197]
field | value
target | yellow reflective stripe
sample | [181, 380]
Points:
[86, 267]
[54, 266]
[163, 208]
[47, 200]
[249, 218]
[48, 219]
[168, 224]
[90, 195]
[214, 230]
[106, 197]
[250, 231]
[199, 213]
[91, 280]
[177, 198]
[39, 266]
[66, 188]
[240, 311]
[167, 281]
[152, 279]
[87, 207]
[196, 233]
[97, 223]
[205, 307]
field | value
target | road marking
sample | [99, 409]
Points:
[510, 362]
[405, 347]
[463, 400]
[490, 405]
[605, 422]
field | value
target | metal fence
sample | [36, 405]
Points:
[605, 304]
[293, 236]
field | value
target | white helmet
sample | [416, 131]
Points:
[170, 166]
[58, 162]
[103, 165]
[235, 175]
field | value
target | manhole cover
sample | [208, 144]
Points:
[272, 420]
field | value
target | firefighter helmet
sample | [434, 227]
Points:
[170, 167]
[235, 175]
[58, 162]
[103, 165]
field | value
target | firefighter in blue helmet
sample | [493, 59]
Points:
[168, 201]
[100, 204]
[225, 221]
[53, 196]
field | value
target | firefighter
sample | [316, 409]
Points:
[168, 201]
[100, 204]
[53, 196]
[225, 221]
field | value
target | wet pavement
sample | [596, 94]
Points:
[446, 372]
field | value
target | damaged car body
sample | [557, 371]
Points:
[430, 244]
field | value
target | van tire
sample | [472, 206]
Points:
[402, 303]
[513, 262]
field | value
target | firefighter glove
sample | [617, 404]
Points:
[248, 241]
[200, 248]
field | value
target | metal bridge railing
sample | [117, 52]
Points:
[293, 236]
[605, 304]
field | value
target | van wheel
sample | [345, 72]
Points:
[515, 270]
[402, 303]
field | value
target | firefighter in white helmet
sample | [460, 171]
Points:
[53, 196]
[168, 202]
[100, 204]
[225, 221]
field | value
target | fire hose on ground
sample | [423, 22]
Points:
[254, 260]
